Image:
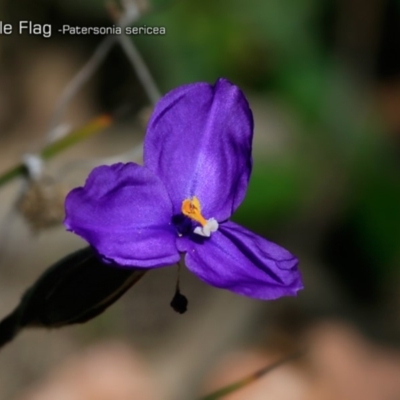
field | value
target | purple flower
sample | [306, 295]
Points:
[197, 164]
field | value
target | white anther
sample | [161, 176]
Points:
[206, 230]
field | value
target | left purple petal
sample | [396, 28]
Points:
[198, 142]
[125, 213]
[237, 259]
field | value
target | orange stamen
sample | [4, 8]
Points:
[192, 209]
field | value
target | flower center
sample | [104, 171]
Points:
[191, 208]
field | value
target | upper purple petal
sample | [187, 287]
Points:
[237, 259]
[199, 142]
[125, 213]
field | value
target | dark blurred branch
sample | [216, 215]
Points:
[76, 289]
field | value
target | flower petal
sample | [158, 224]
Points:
[125, 213]
[236, 259]
[198, 142]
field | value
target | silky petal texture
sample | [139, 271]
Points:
[236, 259]
[125, 213]
[198, 142]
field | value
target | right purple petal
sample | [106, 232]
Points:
[125, 213]
[238, 260]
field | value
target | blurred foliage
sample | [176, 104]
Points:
[275, 193]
